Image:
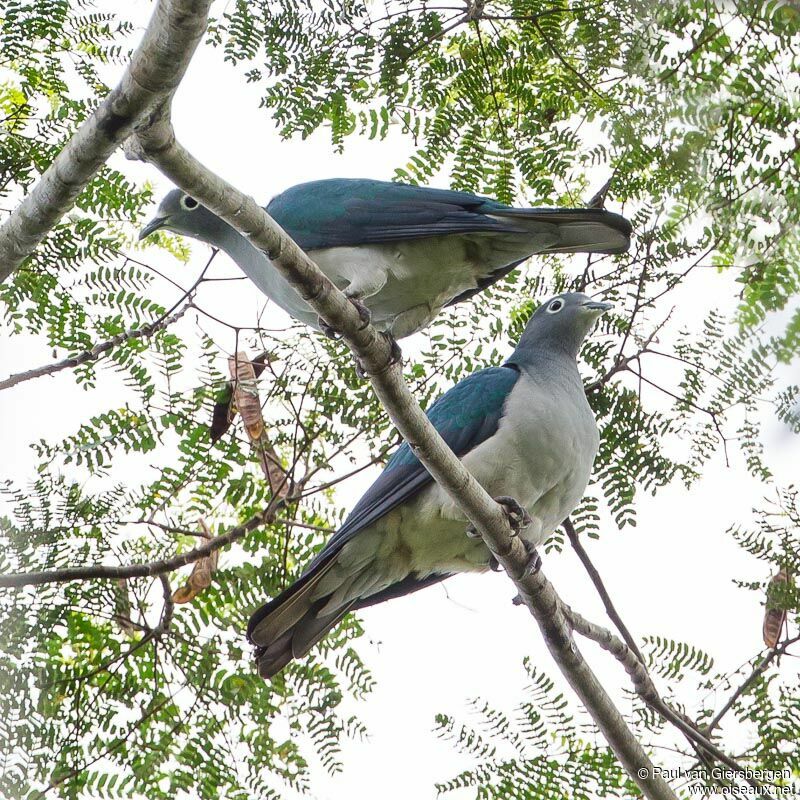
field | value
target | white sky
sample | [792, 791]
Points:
[435, 650]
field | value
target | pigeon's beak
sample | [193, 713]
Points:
[596, 305]
[152, 227]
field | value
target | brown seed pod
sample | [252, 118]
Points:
[775, 614]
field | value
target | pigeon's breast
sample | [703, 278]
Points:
[543, 450]
[405, 284]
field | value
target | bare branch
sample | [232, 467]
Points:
[631, 660]
[611, 610]
[157, 143]
[15, 580]
[646, 689]
[98, 350]
[154, 72]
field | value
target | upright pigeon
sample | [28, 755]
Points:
[401, 253]
[524, 430]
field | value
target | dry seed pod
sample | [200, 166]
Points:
[245, 394]
[201, 574]
[775, 614]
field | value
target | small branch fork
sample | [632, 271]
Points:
[15, 580]
[144, 332]
[629, 655]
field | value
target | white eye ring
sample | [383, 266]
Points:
[188, 203]
[555, 306]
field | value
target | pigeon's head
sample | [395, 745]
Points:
[562, 323]
[181, 213]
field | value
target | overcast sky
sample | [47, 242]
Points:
[435, 650]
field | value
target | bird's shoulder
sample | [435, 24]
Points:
[465, 416]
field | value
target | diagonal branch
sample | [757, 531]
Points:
[98, 350]
[15, 580]
[608, 604]
[154, 72]
[157, 143]
[744, 687]
[645, 688]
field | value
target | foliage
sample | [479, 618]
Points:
[689, 106]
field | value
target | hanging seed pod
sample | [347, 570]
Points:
[201, 574]
[775, 614]
[245, 394]
[247, 402]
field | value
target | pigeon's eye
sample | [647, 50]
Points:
[189, 203]
[555, 306]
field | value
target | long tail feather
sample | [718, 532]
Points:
[581, 230]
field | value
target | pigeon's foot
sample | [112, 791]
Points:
[534, 563]
[363, 311]
[395, 354]
[518, 518]
[330, 332]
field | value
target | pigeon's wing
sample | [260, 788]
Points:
[465, 416]
[344, 212]
[350, 212]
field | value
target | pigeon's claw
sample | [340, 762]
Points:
[363, 311]
[518, 518]
[395, 355]
[534, 563]
[329, 331]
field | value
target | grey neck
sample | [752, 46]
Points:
[549, 367]
[263, 274]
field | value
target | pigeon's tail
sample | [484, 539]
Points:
[291, 624]
[580, 230]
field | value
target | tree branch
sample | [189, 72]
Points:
[747, 684]
[154, 72]
[15, 580]
[98, 350]
[611, 610]
[646, 689]
[157, 143]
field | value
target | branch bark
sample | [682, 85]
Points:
[15, 580]
[157, 143]
[98, 350]
[155, 70]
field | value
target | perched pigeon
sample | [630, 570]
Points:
[524, 430]
[402, 253]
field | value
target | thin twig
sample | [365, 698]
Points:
[645, 688]
[98, 350]
[15, 580]
[747, 684]
[611, 610]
